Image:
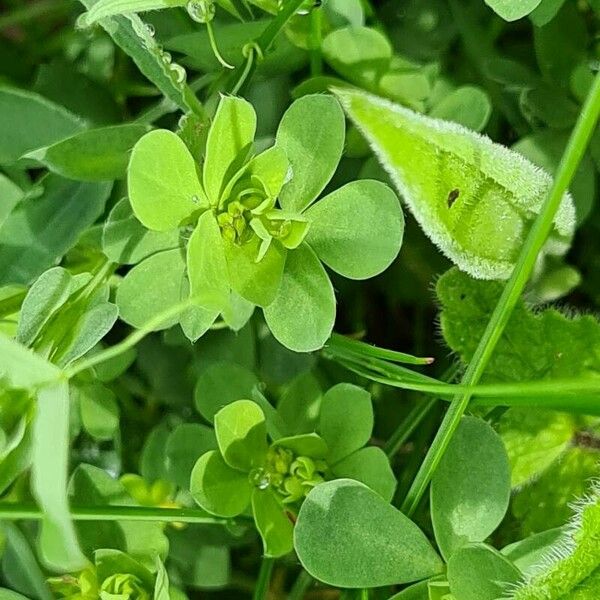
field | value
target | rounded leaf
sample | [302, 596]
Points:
[217, 488]
[207, 268]
[478, 572]
[312, 133]
[220, 384]
[357, 230]
[276, 529]
[470, 489]
[302, 315]
[371, 467]
[468, 105]
[346, 420]
[163, 184]
[348, 536]
[242, 434]
[151, 287]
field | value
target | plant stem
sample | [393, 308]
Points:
[263, 42]
[264, 577]
[511, 293]
[301, 586]
[32, 11]
[316, 38]
[130, 341]
[16, 512]
[408, 426]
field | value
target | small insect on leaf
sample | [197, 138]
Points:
[453, 197]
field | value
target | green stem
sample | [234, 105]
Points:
[17, 512]
[511, 293]
[301, 586]
[33, 11]
[264, 577]
[408, 425]
[262, 44]
[316, 38]
[130, 341]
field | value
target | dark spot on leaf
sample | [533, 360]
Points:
[452, 196]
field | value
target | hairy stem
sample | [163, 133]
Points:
[511, 293]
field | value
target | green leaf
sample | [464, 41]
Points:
[24, 369]
[89, 329]
[475, 199]
[242, 434]
[49, 292]
[478, 572]
[418, 591]
[196, 321]
[302, 315]
[542, 345]
[237, 312]
[545, 11]
[467, 105]
[312, 134]
[274, 526]
[109, 8]
[164, 189]
[528, 554]
[304, 444]
[357, 230]
[206, 264]
[151, 287]
[360, 54]
[272, 168]
[99, 410]
[470, 489]
[534, 439]
[132, 35]
[512, 10]
[218, 488]
[257, 282]
[94, 155]
[40, 231]
[348, 536]
[127, 242]
[28, 121]
[112, 562]
[229, 143]
[346, 420]
[92, 486]
[185, 445]
[11, 194]
[371, 467]
[59, 547]
[221, 384]
[20, 567]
